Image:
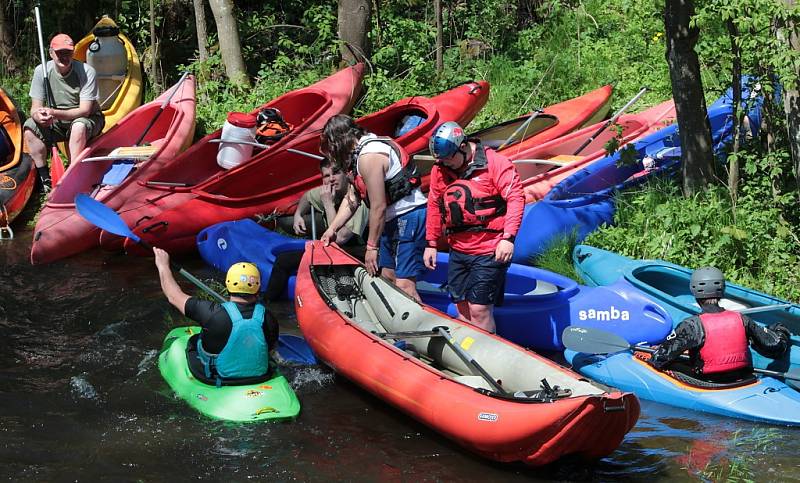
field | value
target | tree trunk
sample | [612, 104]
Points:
[156, 78]
[230, 46]
[687, 90]
[354, 20]
[791, 96]
[7, 57]
[200, 25]
[733, 163]
[437, 8]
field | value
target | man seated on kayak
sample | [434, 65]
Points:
[476, 199]
[326, 200]
[718, 340]
[233, 345]
[76, 116]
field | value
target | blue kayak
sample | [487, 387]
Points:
[226, 243]
[584, 201]
[538, 304]
[763, 399]
[667, 284]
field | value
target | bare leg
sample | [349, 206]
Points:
[409, 286]
[37, 149]
[482, 316]
[78, 138]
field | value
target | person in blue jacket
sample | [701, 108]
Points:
[233, 346]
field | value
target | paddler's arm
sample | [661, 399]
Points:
[346, 211]
[688, 335]
[169, 286]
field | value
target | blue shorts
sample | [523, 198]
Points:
[478, 279]
[403, 243]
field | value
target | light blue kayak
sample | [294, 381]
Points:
[764, 399]
[667, 284]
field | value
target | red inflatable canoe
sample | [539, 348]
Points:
[170, 217]
[17, 174]
[371, 333]
[109, 168]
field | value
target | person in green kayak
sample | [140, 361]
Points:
[718, 340]
[233, 346]
[75, 116]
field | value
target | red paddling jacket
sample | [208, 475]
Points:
[477, 207]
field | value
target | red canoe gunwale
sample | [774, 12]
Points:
[591, 423]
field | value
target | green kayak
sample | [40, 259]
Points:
[273, 399]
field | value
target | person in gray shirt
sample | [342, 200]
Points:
[74, 115]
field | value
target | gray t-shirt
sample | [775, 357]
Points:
[68, 91]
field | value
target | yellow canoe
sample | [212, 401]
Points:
[119, 73]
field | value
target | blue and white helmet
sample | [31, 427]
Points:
[446, 140]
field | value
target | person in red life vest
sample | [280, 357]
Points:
[385, 178]
[718, 340]
[476, 199]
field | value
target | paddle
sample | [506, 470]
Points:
[468, 359]
[763, 308]
[521, 128]
[162, 107]
[597, 341]
[56, 164]
[107, 219]
[611, 121]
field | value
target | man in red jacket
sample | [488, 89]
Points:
[476, 199]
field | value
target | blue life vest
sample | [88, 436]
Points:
[245, 354]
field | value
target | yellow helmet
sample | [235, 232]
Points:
[243, 277]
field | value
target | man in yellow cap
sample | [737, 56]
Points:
[72, 115]
[233, 345]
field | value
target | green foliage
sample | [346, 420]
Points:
[748, 241]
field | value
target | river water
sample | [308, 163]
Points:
[81, 399]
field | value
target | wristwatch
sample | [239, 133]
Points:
[509, 237]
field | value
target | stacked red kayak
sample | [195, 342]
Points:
[392, 346]
[517, 135]
[109, 168]
[17, 175]
[542, 167]
[170, 216]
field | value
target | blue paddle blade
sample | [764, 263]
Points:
[295, 349]
[102, 216]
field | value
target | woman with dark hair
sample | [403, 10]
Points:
[383, 176]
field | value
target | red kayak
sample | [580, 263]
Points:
[109, 168]
[517, 135]
[523, 408]
[17, 175]
[170, 217]
[543, 166]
